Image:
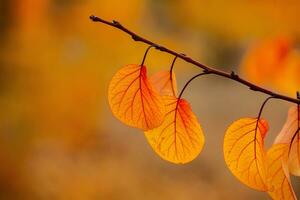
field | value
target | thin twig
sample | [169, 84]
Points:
[232, 75]
[189, 81]
[258, 119]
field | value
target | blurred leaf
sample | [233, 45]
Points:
[164, 82]
[273, 62]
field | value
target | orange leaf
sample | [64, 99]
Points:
[286, 135]
[180, 138]
[164, 83]
[264, 61]
[291, 81]
[133, 100]
[244, 152]
[274, 62]
[279, 182]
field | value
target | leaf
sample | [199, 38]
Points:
[164, 83]
[133, 100]
[279, 182]
[289, 128]
[274, 62]
[180, 138]
[244, 152]
[294, 156]
[265, 61]
[291, 82]
[287, 134]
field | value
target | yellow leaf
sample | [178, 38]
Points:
[164, 83]
[279, 183]
[133, 100]
[244, 152]
[289, 132]
[180, 138]
[294, 156]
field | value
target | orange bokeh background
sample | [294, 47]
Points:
[59, 139]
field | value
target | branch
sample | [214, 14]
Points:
[233, 76]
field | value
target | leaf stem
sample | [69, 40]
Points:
[263, 106]
[145, 54]
[171, 75]
[260, 113]
[189, 81]
[172, 66]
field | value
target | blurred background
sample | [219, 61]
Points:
[58, 138]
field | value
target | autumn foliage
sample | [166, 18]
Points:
[60, 140]
[170, 126]
[174, 132]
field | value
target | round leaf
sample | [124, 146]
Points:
[180, 138]
[244, 152]
[133, 100]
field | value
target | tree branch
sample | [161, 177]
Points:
[210, 70]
